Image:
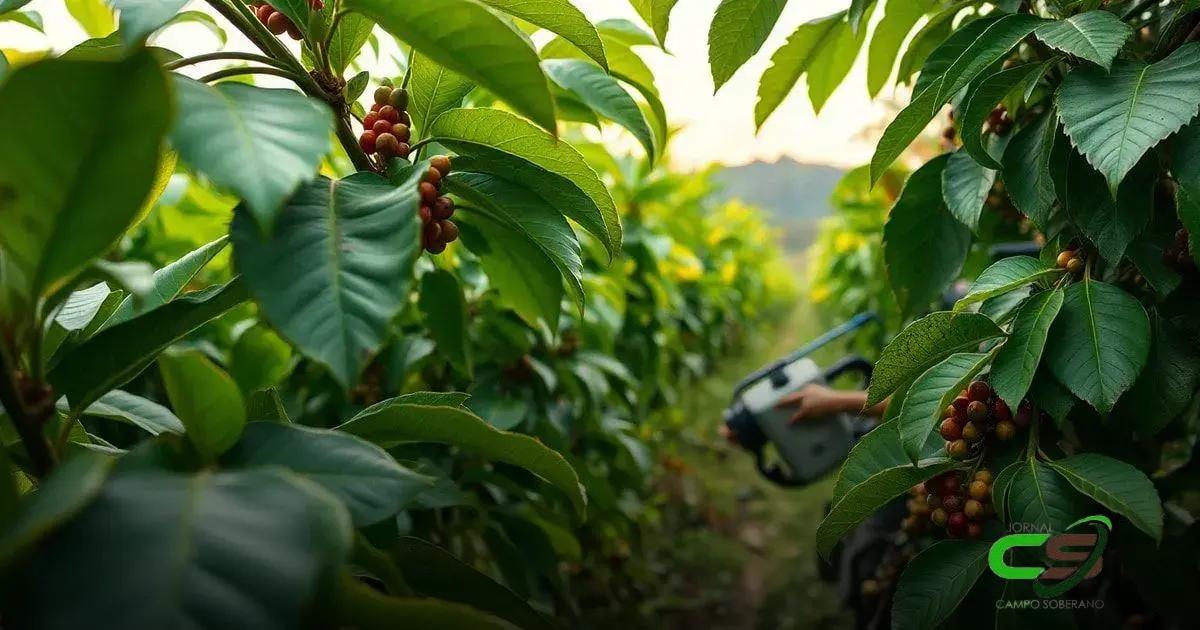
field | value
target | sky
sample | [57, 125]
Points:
[715, 128]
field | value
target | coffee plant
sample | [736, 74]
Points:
[1073, 123]
[234, 392]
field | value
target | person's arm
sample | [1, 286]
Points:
[818, 401]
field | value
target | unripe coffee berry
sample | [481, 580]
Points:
[441, 163]
[382, 126]
[939, 517]
[402, 131]
[1064, 258]
[404, 150]
[399, 99]
[367, 142]
[1075, 265]
[957, 449]
[973, 509]
[983, 475]
[1005, 431]
[383, 95]
[433, 176]
[387, 145]
[979, 390]
[950, 430]
[389, 113]
[971, 432]
[933, 501]
[977, 412]
[948, 412]
[979, 490]
[952, 503]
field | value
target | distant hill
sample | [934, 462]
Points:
[796, 195]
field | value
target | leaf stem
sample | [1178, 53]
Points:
[234, 72]
[225, 55]
[28, 427]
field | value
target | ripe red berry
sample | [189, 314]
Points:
[429, 193]
[950, 430]
[369, 120]
[367, 142]
[381, 127]
[960, 405]
[1024, 414]
[383, 95]
[294, 32]
[316, 5]
[436, 248]
[956, 524]
[433, 176]
[402, 131]
[278, 23]
[389, 113]
[441, 163]
[449, 231]
[1001, 411]
[404, 150]
[263, 12]
[979, 390]
[432, 233]
[375, 107]
[387, 145]
[952, 503]
[425, 213]
[977, 412]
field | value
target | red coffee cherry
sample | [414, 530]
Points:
[952, 503]
[263, 12]
[387, 145]
[1024, 414]
[404, 150]
[956, 524]
[278, 23]
[367, 142]
[949, 484]
[960, 405]
[449, 231]
[376, 107]
[389, 113]
[979, 390]
[433, 176]
[432, 233]
[428, 192]
[1001, 411]
[441, 163]
[425, 213]
[950, 430]
[369, 120]
[381, 127]
[977, 412]
[436, 248]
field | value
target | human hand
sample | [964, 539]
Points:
[813, 401]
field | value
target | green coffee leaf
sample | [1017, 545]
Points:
[936, 581]
[810, 50]
[925, 343]
[1167, 384]
[348, 41]
[898, 21]
[168, 282]
[135, 410]
[469, 38]
[1096, 36]
[1111, 224]
[524, 276]
[507, 146]
[657, 14]
[561, 17]
[59, 498]
[1027, 169]
[1017, 362]
[601, 92]
[206, 400]
[1117, 486]
[1041, 499]
[1005, 275]
[139, 18]
[1186, 167]
[1115, 117]
[739, 28]
[363, 476]
[394, 422]
[433, 91]
[994, 43]
[333, 300]
[259, 359]
[263, 144]
[930, 394]
[1099, 342]
[924, 245]
[965, 188]
[982, 100]
[445, 309]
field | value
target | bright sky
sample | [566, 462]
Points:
[717, 128]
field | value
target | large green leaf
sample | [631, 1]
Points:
[875, 472]
[263, 144]
[931, 393]
[211, 550]
[1017, 362]
[739, 28]
[657, 14]
[522, 209]
[352, 34]
[371, 484]
[903, 129]
[1040, 498]
[925, 343]
[338, 267]
[1115, 117]
[1185, 164]
[1117, 486]
[526, 279]
[936, 581]
[1111, 224]
[433, 91]
[1093, 35]
[259, 359]
[601, 92]
[395, 422]
[994, 43]
[472, 40]
[924, 245]
[1099, 342]
[12, 5]
[94, 16]
[515, 150]
[58, 499]
[206, 400]
[445, 309]
[561, 17]
[434, 572]
[898, 21]
[71, 206]
[139, 18]
[982, 100]
[824, 49]
[965, 188]
[137, 411]
[363, 607]
[1005, 275]
[1167, 384]
[1026, 163]
[117, 354]
[168, 282]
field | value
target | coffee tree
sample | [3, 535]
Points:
[1072, 376]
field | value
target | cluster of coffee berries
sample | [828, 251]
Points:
[999, 122]
[895, 558]
[976, 413]
[279, 23]
[1070, 259]
[1178, 255]
[386, 127]
[917, 520]
[437, 230]
[958, 503]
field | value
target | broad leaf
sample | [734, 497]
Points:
[1096, 36]
[1186, 166]
[815, 48]
[1117, 486]
[1167, 384]
[507, 146]
[168, 282]
[561, 17]
[338, 267]
[59, 498]
[526, 279]
[445, 309]
[601, 92]
[434, 91]
[1115, 117]
[875, 472]
[352, 34]
[936, 581]
[395, 422]
[1005, 275]
[898, 21]
[965, 188]
[925, 343]
[371, 484]
[994, 43]
[739, 28]
[1111, 224]
[139, 18]
[259, 359]
[903, 129]
[96, 19]
[657, 14]
[206, 400]
[263, 144]
[365, 608]
[469, 38]
[930, 394]
[1050, 396]
[116, 355]
[924, 246]
[135, 410]
[434, 572]
[1017, 362]
[980, 103]
[212, 550]
[859, 11]
[1040, 498]
[1027, 175]
[72, 205]
[1099, 342]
